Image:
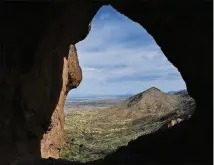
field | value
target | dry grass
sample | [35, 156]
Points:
[93, 134]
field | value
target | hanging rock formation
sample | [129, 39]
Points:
[52, 140]
[34, 43]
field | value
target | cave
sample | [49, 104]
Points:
[124, 92]
[37, 71]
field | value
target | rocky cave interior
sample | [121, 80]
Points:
[38, 68]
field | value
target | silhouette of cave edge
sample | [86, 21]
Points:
[20, 137]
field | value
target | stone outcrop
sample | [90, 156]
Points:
[34, 45]
[52, 139]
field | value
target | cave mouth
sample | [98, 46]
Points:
[34, 89]
[119, 59]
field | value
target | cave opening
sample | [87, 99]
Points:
[35, 78]
[129, 89]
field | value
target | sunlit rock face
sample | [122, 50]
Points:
[52, 140]
[34, 76]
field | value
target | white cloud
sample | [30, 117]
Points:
[119, 57]
[89, 69]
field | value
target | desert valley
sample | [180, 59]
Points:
[96, 127]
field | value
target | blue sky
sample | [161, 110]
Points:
[119, 57]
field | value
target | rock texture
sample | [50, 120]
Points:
[153, 100]
[52, 139]
[34, 42]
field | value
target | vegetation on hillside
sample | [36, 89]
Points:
[92, 134]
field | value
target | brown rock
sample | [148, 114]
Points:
[52, 140]
[74, 70]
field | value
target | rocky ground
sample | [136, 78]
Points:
[92, 133]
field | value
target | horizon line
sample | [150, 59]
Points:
[104, 95]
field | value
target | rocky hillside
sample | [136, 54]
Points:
[153, 100]
[93, 134]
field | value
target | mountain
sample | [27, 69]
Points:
[172, 92]
[179, 91]
[182, 92]
[153, 100]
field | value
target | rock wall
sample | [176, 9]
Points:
[183, 30]
[34, 47]
[52, 139]
[35, 40]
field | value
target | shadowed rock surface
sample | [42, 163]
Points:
[35, 39]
